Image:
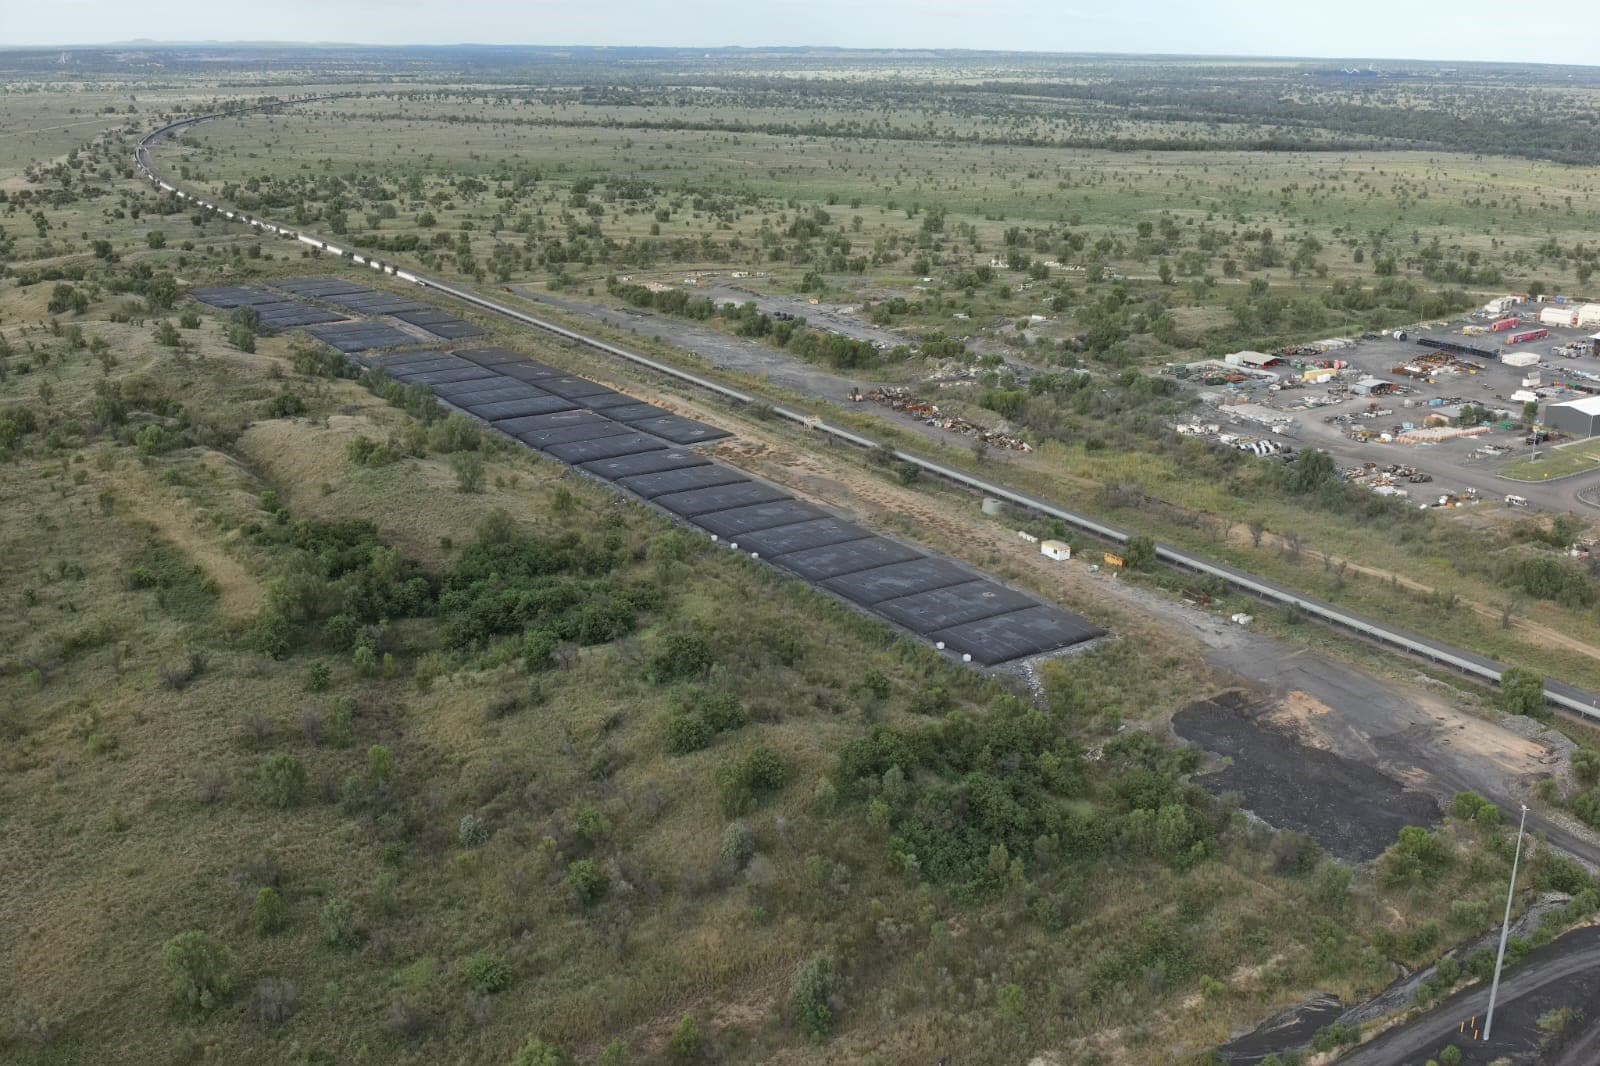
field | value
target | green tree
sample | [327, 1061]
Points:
[269, 914]
[1312, 470]
[687, 1047]
[468, 467]
[1522, 692]
[813, 984]
[283, 779]
[341, 928]
[487, 973]
[380, 765]
[586, 881]
[1586, 766]
[1139, 552]
[198, 969]
[537, 1052]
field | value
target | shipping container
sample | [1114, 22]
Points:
[1504, 323]
[1114, 560]
[1528, 335]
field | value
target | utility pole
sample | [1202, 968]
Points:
[1505, 926]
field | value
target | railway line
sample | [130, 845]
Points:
[1568, 698]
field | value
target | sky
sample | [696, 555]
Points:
[1456, 30]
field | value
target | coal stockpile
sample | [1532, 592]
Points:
[373, 302]
[350, 337]
[440, 324]
[319, 288]
[287, 314]
[228, 297]
[272, 310]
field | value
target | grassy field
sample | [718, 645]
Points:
[1562, 461]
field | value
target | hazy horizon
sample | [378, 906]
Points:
[1360, 29]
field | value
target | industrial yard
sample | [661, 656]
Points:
[1436, 414]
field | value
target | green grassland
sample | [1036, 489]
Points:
[518, 761]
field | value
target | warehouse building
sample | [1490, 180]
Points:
[1577, 418]
[1251, 360]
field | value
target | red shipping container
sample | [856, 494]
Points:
[1528, 335]
[1504, 323]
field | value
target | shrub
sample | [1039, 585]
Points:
[698, 718]
[283, 780]
[504, 705]
[1522, 692]
[808, 997]
[471, 831]
[1139, 552]
[737, 846]
[748, 783]
[271, 635]
[380, 765]
[198, 970]
[274, 1001]
[1413, 859]
[1334, 1036]
[681, 656]
[468, 467]
[269, 914]
[341, 725]
[537, 1052]
[1295, 853]
[318, 677]
[487, 973]
[687, 1046]
[341, 929]
[687, 733]
[538, 650]
[1586, 766]
[287, 404]
[585, 881]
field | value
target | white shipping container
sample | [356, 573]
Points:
[1056, 549]
[1520, 359]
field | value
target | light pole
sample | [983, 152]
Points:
[1505, 926]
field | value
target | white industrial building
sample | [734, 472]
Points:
[1558, 316]
[1589, 315]
[1579, 418]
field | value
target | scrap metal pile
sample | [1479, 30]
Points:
[1428, 364]
[900, 399]
[1373, 475]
